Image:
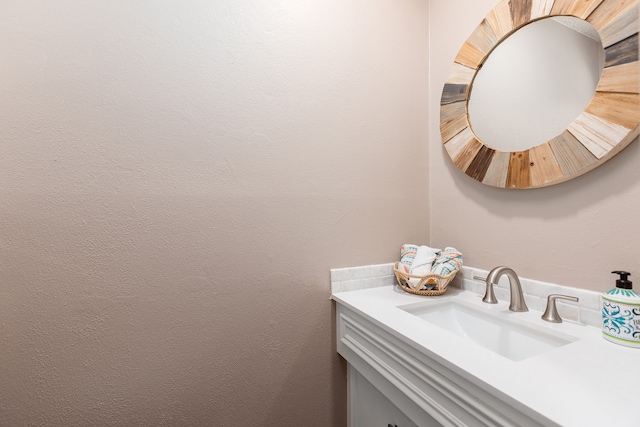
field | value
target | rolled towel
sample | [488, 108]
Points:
[407, 255]
[417, 260]
[424, 260]
[447, 262]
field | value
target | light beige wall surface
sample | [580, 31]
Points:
[176, 181]
[573, 234]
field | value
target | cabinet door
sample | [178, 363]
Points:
[369, 407]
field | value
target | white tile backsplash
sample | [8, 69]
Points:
[587, 310]
[533, 302]
[540, 289]
[381, 270]
[468, 284]
[591, 317]
[568, 311]
[590, 300]
[365, 277]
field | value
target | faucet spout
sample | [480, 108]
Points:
[515, 289]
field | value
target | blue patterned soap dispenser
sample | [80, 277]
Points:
[621, 313]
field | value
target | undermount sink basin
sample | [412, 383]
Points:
[498, 331]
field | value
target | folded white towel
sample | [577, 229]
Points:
[417, 260]
[424, 260]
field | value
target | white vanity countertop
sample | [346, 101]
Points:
[589, 382]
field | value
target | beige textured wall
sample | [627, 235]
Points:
[573, 234]
[176, 180]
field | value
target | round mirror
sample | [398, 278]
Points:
[535, 83]
[528, 117]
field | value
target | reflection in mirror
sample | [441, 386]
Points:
[535, 83]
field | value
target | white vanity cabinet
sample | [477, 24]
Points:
[392, 382]
[451, 361]
[368, 407]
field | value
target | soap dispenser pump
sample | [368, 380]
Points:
[621, 313]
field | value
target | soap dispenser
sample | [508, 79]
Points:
[621, 313]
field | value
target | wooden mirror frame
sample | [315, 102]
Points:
[607, 125]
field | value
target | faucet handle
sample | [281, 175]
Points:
[489, 296]
[551, 313]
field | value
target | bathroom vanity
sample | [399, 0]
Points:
[456, 361]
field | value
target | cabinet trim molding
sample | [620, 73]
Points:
[416, 380]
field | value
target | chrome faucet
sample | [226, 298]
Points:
[517, 299]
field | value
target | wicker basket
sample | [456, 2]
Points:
[436, 283]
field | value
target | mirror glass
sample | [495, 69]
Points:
[535, 83]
